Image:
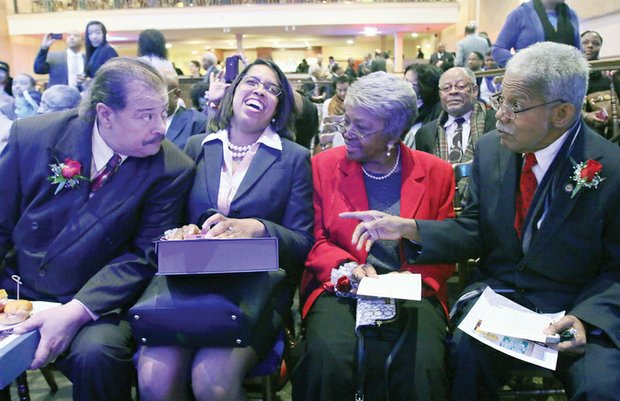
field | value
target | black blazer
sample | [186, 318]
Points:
[54, 64]
[572, 263]
[185, 123]
[64, 246]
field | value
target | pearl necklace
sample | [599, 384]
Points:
[383, 177]
[239, 152]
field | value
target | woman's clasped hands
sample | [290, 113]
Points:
[220, 226]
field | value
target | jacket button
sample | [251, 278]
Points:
[35, 225]
[236, 212]
[42, 273]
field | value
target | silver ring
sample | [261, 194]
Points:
[229, 228]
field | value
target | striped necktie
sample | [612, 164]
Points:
[101, 178]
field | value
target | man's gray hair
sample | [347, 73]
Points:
[109, 86]
[386, 97]
[58, 98]
[470, 74]
[210, 57]
[553, 70]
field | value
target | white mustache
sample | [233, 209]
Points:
[501, 127]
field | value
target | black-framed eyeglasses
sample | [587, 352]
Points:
[254, 82]
[459, 87]
[497, 102]
[344, 127]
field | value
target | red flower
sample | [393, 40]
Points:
[71, 168]
[343, 284]
[590, 170]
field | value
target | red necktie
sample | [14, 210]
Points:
[104, 175]
[527, 188]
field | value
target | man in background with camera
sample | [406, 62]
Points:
[63, 67]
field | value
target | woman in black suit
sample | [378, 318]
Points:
[258, 183]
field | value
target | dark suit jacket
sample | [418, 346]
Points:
[446, 57]
[54, 64]
[426, 192]
[426, 137]
[65, 246]
[573, 261]
[277, 190]
[185, 123]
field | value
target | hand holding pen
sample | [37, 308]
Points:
[572, 335]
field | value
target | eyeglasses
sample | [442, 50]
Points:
[497, 102]
[254, 82]
[344, 127]
[459, 87]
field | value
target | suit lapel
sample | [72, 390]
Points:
[263, 159]
[561, 187]
[412, 191]
[176, 125]
[351, 185]
[212, 160]
[121, 186]
[75, 144]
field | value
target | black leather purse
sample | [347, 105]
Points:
[218, 310]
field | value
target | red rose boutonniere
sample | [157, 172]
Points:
[66, 175]
[586, 175]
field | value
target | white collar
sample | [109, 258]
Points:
[268, 138]
[102, 153]
[451, 119]
[544, 157]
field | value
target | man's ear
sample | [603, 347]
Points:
[563, 115]
[474, 90]
[104, 115]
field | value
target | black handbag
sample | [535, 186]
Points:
[218, 310]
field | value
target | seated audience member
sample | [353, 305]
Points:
[63, 67]
[260, 183]
[424, 79]
[599, 86]
[312, 87]
[350, 70]
[333, 110]
[364, 67]
[6, 83]
[302, 67]
[373, 170]
[462, 122]
[59, 98]
[194, 69]
[181, 123]
[558, 250]
[475, 62]
[489, 85]
[27, 104]
[98, 50]
[197, 94]
[306, 119]
[21, 83]
[88, 243]
[536, 21]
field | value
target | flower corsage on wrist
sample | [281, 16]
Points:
[586, 175]
[341, 279]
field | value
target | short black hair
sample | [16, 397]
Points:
[594, 32]
[152, 42]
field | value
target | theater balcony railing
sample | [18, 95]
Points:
[49, 6]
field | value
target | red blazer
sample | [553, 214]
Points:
[426, 193]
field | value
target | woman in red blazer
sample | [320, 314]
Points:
[373, 171]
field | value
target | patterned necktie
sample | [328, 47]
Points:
[456, 152]
[525, 194]
[104, 175]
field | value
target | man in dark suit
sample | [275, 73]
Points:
[441, 56]
[63, 67]
[462, 122]
[564, 253]
[181, 122]
[86, 240]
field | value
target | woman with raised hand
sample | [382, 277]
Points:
[252, 181]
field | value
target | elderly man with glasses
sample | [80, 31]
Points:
[461, 123]
[543, 218]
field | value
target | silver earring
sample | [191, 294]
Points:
[389, 151]
[273, 120]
